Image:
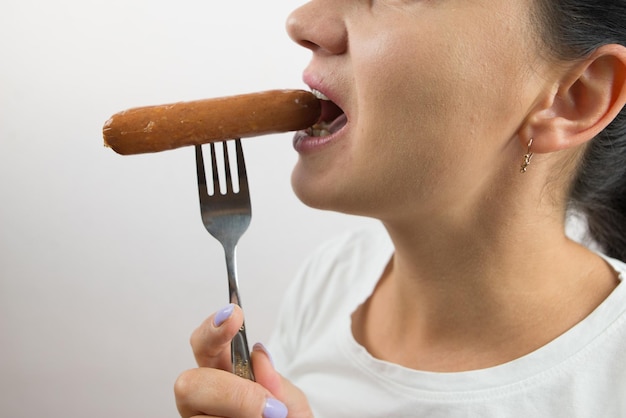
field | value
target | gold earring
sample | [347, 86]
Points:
[526, 158]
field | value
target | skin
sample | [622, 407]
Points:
[442, 97]
[431, 129]
[210, 390]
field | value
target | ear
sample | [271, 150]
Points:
[587, 97]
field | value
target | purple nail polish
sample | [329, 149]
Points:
[274, 409]
[223, 314]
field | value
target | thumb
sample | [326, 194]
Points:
[281, 388]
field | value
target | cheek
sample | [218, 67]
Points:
[443, 88]
[410, 101]
[404, 81]
[429, 117]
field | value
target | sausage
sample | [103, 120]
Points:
[165, 127]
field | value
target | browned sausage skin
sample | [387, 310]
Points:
[164, 127]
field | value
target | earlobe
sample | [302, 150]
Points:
[587, 98]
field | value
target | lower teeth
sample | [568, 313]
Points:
[320, 129]
[320, 132]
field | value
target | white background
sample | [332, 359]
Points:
[105, 267]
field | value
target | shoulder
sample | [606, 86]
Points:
[617, 265]
[333, 281]
[354, 256]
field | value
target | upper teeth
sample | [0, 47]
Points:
[319, 94]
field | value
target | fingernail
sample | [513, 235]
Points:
[274, 409]
[261, 347]
[223, 314]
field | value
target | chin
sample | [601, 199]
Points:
[311, 193]
[326, 194]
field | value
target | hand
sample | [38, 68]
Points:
[212, 390]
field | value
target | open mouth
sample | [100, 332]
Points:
[331, 120]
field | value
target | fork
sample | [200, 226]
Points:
[226, 217]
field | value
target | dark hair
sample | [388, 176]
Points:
[572, 29]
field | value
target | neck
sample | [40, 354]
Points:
[470, 293]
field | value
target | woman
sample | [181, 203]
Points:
[469, 129]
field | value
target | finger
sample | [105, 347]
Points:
[263, 365]
[210, 342]
[265, 374]
[212, 392]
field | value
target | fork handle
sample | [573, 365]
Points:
[239, 351]
[240, 355]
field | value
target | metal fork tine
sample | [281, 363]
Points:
[241, 169]
[202, 187]
[215, 171]
[227, 173]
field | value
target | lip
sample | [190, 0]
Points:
[306, 144]
[316, 82]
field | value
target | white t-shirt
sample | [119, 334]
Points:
[582, 373]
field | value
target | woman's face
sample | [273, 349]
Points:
[433, 93]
